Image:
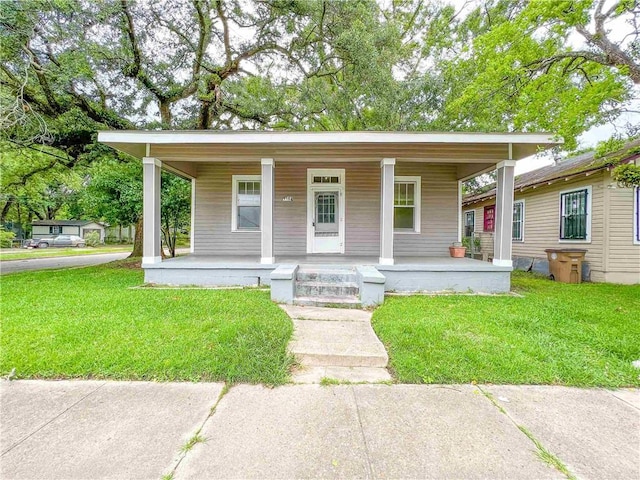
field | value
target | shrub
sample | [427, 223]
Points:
[6, 238]
[92, 239]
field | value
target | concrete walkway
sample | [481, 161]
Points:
[336, 344]
[140, 430]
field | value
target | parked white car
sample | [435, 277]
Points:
[57, 241]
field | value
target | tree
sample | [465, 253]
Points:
[175, 209]
[114, 194]
[524, 73]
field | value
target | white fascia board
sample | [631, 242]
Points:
[275, 138]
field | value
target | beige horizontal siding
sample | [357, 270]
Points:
[362, 217]
[213, 235]
[622, 256]
[438, 211]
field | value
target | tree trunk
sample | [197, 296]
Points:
[5, 210]
[137, 242]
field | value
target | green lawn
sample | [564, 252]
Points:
[581, 335]
[22, 254]
[87, 323]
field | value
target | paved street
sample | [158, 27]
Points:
[10, 266]
[98, 429]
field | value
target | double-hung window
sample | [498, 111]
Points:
[469, 222]
[406, 205]
[246, 203]
[55, 230]
[575, 214]
[517, 230]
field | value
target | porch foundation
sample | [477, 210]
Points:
[409, 274]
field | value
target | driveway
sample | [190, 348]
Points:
[10, 266]
[104, 429]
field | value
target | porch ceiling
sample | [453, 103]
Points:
[208, 146]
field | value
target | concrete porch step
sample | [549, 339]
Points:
[319, 343]
[326, 289]
[326, 274]
[329, 302]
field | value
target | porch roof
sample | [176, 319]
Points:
[206, 145]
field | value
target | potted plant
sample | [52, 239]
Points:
[457, 250]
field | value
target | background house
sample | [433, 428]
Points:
[81, 228]
[574, 203]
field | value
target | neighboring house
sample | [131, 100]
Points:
[382, 206]
[572, 204]
[82, 228]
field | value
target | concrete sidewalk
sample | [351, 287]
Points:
[136, 430]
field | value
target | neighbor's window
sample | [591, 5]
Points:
[469, 222]
[246, 203]
[575, 214]
[636, 215]
[406, 205]
[517, 231]
[490, 218]
[54, 229]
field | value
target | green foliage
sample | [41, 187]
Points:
[466, 242]
[6, 238]
[627, 175]
[114, 193]
[175, 208]
[92, 239]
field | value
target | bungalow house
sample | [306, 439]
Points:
[574, 203]
[81, 228]
[327, 216]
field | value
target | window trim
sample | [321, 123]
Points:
[636, 216]
[519, 240]
[417, 181]
[589, 210]
[484, 218]
[235, 179]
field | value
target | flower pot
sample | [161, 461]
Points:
[457, 252]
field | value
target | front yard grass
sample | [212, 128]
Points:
[579, 335]
[87, 323]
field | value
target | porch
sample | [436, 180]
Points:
[328, 212]
[361, 280]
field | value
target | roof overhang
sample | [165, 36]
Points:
[180, 147]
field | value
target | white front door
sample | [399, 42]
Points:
[325, 211]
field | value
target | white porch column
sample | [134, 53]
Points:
[266, 219]
[151, 173]
[192, 230]
[387, 174]
[504, 214]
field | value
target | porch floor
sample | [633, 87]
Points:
[436, 264]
